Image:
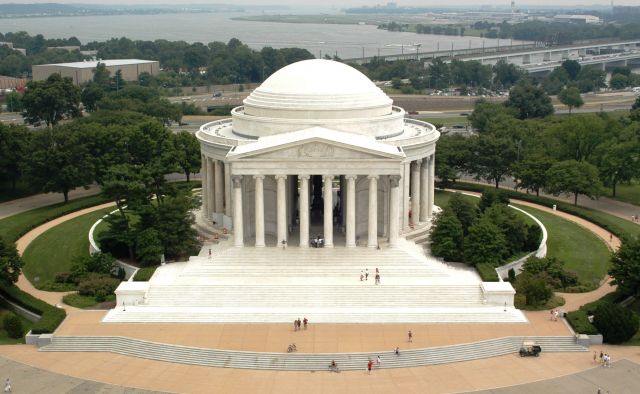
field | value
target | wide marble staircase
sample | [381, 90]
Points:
[276, 285]
[301, 361]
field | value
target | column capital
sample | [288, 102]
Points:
[418, 161]
[258, 177]
[237, 180]
[351, 177]
[373, 176]
[394, 180]
[328, 177]
[305, 176]
[426, 161]
[278, 177]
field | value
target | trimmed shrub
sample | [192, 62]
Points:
[487, 272]
[512, 275]
[144, 274]
[534, 288]
[616, 323]
[13, 326]
[91, 284]
[580, 323]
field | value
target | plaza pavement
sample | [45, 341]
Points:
[458, 377]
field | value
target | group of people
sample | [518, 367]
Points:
[297, 324]
[317, 242]
[554, 315]
[364, 275]
[605, 359]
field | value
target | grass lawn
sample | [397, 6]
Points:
[15, 226]
[581, 251]
[626, 192]
[56, 250]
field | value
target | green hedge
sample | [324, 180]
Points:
[144, 274]
[487, 272]
[613, 224]
[579, 319]
[51, 317]
[15, 226]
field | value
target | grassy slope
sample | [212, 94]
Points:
[56, 249]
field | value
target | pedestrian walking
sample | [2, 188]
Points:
[377, 279]
[595, 357]
[601, 356]
[410, 335]
[209, 253]
[378, 362]
[305, 322]
[299, 322]
[397, 351]
[366, 274]
[361, 275]
[555, 315]
[369, 365]
[7, 386]
[295, 325]
[610, 237]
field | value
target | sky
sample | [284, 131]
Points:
[342, 3]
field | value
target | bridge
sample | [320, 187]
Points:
[535, 57]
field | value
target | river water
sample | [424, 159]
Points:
[347, 41]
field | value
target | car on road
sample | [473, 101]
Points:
[186, 98]
[217, 94]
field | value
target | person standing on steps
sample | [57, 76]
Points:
[366, 274]
[397, 351]
[378, 362]
[295, 325]
[369, 366]
[209, 253]
[361, 275]
[305, 322]
[410, 335]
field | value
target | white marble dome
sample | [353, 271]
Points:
[322, 93]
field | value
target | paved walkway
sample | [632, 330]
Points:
[613, 207]
[15, 207]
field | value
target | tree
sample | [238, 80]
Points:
[466, 211]
[484, 113]
[591, 79]
[618, 162]
[491, 197]
[636, 104]
[531, 172]
[101, 76]
[616, 323]
[447, 237]
[187, 151]
[13, 326]
[571, 98]
[529, 101]
[10, 262]
[13, 101]
[507, 74]
[572, 67]
[625, 269]
[90, 96]
[534, 287]
[149, 247]
[451, 158]
[485, 244]
[493, 157]
[575, 177]
[513, 228]
[618, 81]
[14, 152]
[61, 163]
[51, 100]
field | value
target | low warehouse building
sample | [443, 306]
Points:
[82, 72]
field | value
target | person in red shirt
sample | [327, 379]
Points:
[369, 365]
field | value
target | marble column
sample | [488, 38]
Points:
[328, 211]
[394, 210]
[304, 210]
[372, 235]
[237, 211]
[406, 207]
[227, 189]
[281, 209]
[211, 188]
[205, 191]
[219, 185]
[424, 189]
[259, 194]
[432, 181]
[351, 211]
[415, 191]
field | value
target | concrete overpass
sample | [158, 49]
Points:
[631, 59]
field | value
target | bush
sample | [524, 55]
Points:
[534, 288]
[91, 284]
[487, 272]
[144, 274]
[51, 317]
[63, 277]
[617, 324]
[512, 275]
[580, 323]
[13, 326]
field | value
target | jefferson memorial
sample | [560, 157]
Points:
[319, 146]
[317, 198]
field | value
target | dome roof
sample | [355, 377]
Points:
[317, 85]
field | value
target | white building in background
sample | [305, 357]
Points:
[318, 149]
[588, 19]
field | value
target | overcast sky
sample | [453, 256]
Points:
[342, 3]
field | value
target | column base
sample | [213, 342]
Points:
[259, 246]
[350, 245]
[328, 246]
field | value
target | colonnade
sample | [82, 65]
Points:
[215, 187]
[304, 209]
[422, 189]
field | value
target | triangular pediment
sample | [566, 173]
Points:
[316, 144]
